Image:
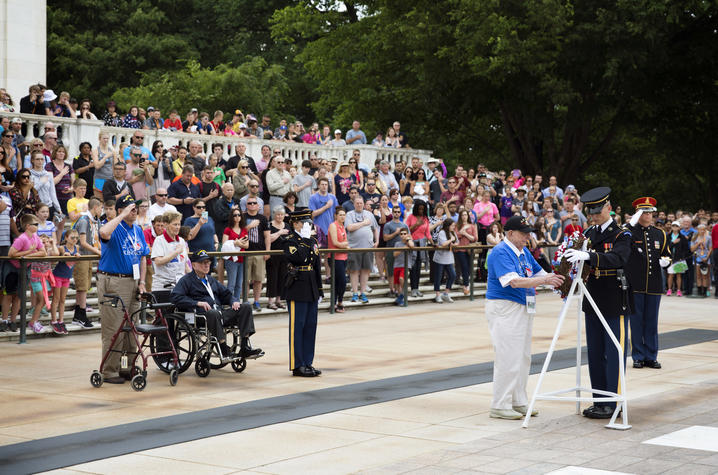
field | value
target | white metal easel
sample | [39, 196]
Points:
[577, 292]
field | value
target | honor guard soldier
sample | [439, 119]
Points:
[607, 284]
[650, 252]
[303, 289]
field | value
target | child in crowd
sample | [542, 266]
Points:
[184, 234]
[444, 259]
[77, 205]
[399, 264]
[219, 177]
[46, 227]
[29, 244]
[62, 274]
[108, 212]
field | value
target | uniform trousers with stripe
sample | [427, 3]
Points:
[644, 327]
[302, 332]
[510, 327]
[603, 363]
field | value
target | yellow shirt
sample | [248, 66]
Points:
[177, 167]
[76, 205]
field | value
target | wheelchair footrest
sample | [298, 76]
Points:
[151, 329]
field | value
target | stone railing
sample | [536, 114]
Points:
[75, 131]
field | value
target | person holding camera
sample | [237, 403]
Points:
[139, 173]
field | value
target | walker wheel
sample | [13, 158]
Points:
[174, 376]
[239, 365]
[139, 382]
[96, 379]
[201, 367]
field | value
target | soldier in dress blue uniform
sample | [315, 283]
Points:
[303, 289]
[607, 284]
[650, 253]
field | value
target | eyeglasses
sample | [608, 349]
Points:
[200, 207]
[254, 186]
[161, 194]
[9, 135]
[244, 167]
[370, 184]
[136, 154]
[236, 215]
[159, 145]
[139, 137]
[252, 203]
[25, 176]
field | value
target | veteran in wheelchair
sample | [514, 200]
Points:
[200, 296]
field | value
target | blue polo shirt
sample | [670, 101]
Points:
[503, 260]
[179, 190]
[125, 248]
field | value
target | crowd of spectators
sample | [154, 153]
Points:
[190, 200]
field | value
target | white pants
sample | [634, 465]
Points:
[510, 327]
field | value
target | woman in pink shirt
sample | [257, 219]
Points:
[486, 213]
[418, 223]
[467, 236]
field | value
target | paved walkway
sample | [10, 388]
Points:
[46, 392]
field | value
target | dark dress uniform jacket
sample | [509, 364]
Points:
[190, 290]
[643, 268]
[610, 250]
[301, 253]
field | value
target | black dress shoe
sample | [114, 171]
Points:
[652, 364]
[303, 372]
[598, 412]
[115, 380]
[638, 364]
[317, 372]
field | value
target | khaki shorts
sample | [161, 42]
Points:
[82, 273]
[254, 268]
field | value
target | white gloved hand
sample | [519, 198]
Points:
[320, 300]
[635, 217]
[574, 256]
[306, 231]
[664, 261]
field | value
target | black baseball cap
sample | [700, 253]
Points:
[518, 223]
[200, 256]
[126, 201]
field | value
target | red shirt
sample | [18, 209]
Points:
[714, 236]
[571, 228]
[177, 124]
[229, 232]
[150, 238]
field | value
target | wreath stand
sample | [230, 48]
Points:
[577, 292]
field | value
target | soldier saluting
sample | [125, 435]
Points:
[650, 253]
[303, 289]
[607, 284]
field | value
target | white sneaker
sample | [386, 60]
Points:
[523, 409]
[505, 414]
[438, 299]
[368, 290]
[447, 298]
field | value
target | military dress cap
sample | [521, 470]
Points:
[518, 223]
[595, 199]
[303, 215]
[645, 203]
[200, 256]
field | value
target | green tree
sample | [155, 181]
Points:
[254, 86]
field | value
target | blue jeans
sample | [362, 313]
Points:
[235, 277]
[464, 261]
[450, 273]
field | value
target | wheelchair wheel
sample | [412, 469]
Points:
[139, 382]
[174, 376]
[201, 367]
[96, 379]
[239, 365]
[184, 341]
[215, 362]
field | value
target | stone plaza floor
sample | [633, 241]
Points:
[417, 423]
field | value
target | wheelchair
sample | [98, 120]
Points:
[193, 341]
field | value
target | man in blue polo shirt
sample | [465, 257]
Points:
[510, 307]
[182, 193]
[121, 271]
